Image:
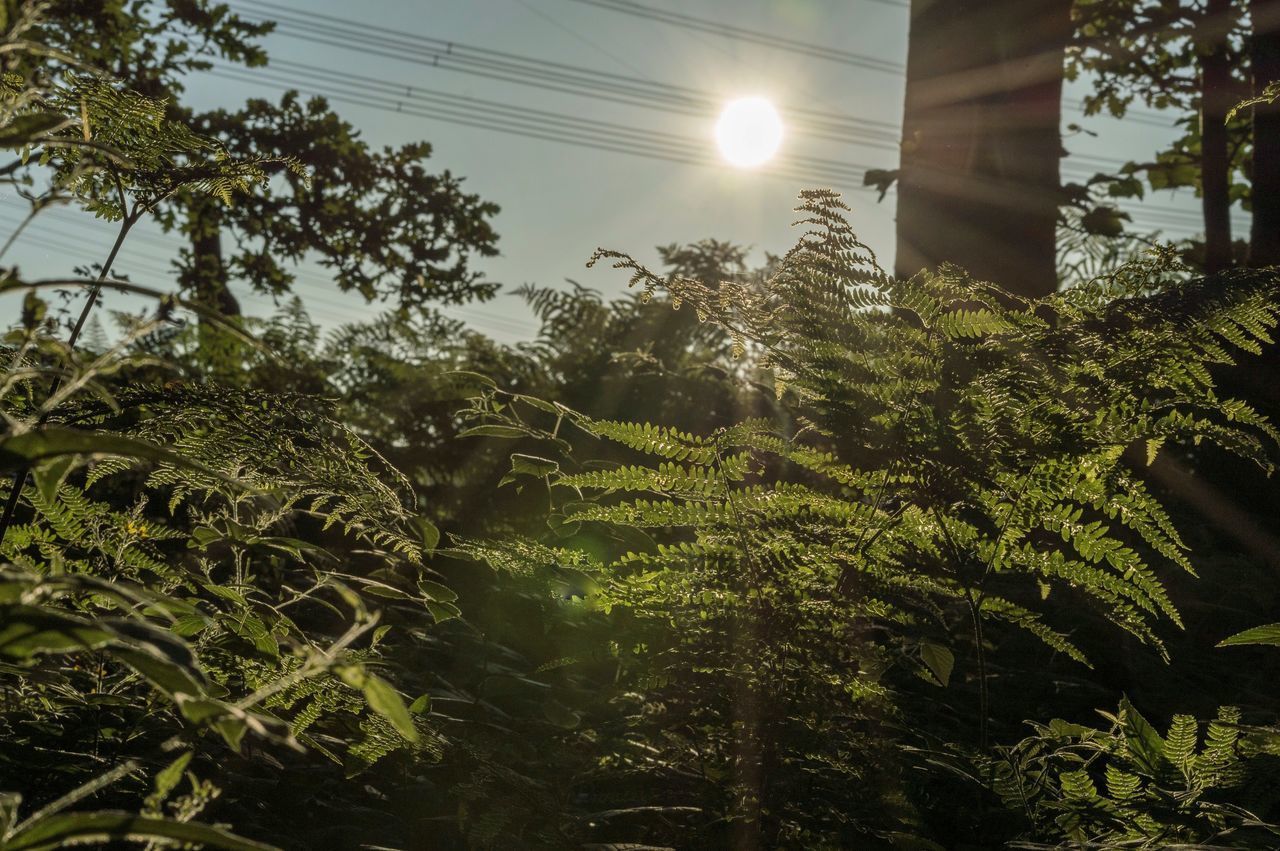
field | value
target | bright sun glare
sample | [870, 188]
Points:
[749, 132]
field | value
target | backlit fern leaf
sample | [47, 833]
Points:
[1159, 790]
[954, 461]
[273, 445]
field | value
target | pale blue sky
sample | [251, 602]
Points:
[560, 202]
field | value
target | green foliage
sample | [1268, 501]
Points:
[1267, 634]
[1270, 94]
[961, 461]
[1153, 53]
[122, 144]
[377, 219]
[209, 602]
[749, 558]
[1126, 786]
[192, 570]
[49, 827]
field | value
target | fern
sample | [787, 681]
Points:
[1156, 791]
[214, 579]
[953, 458]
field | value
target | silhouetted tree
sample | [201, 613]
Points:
[979, 177]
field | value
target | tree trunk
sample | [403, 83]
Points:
[205, 279]
[1264, 237]
[979, 180]
[1215, 157]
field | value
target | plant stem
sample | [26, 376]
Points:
[20, 476]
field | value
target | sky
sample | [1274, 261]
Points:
[820, 61]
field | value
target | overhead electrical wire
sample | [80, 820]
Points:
[742, 34]
[554, 76]
[569, 79]
[536, 118]
[547, 126]
[848, 178]
[816, 51]
[400, 92]
[606, 136]
[560, 77]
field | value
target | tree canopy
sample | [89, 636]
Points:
[975, 553]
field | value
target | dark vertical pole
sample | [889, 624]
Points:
[1215, 161]
[1264, 55]
[979, 181]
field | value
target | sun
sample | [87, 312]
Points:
[749, 132]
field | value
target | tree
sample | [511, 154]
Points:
[1182, 56]
[979, 177]
[386, 226]
[1211, 46]
[1264, 58]
[378, 219]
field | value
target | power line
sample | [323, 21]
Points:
[540, 118]
[537, 117]
[1145, 216]
[534, 10]
[1137, 116]
[776, 42]
[817, 51]
[575, 80]
[331, 31]
[684, 149]
[655, 150]
[440, 54]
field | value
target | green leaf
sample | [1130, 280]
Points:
[187, 626]
[230, 722]
[166, 674]
[1266, 634]
[49, 476]
[436, 591]
[532, 465]
[28, 630]
[29, 448]
[1172, 175]
[252, 629]
[467, 375]
[939, 659]
[1146, 746]
[421, 706]
[443, 611]
[1104, 221]
[168, 777]
[107, 826]
[493, 431]
[427, 532]
[381, 697]
[388, 703]
[1153, 448]
[25, 129]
